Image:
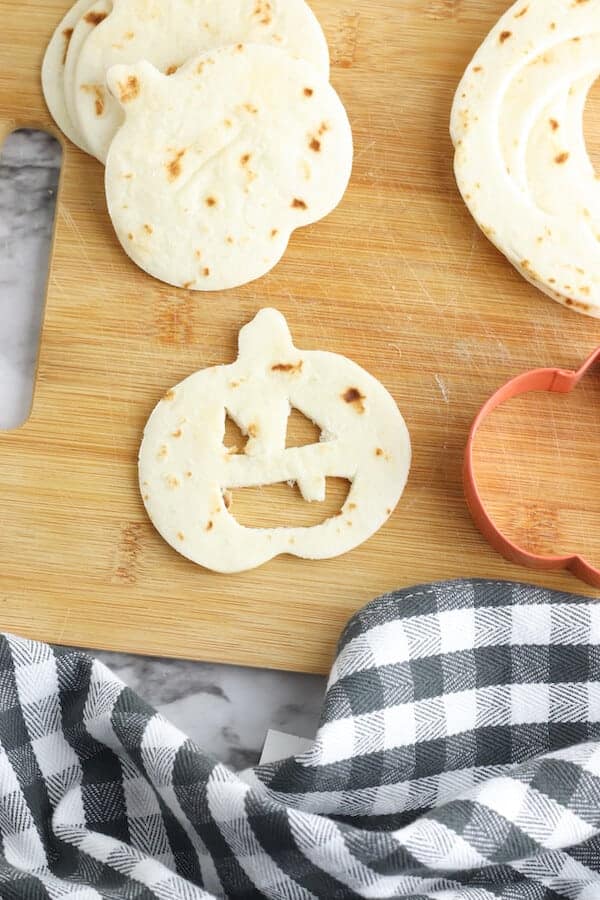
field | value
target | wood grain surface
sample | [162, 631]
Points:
[399, 278]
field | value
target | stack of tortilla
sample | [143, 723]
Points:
[218, 126]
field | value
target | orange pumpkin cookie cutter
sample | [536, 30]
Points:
[560, 381]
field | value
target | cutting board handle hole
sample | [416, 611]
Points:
[30, 163]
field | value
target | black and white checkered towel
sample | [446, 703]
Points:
[458, 758]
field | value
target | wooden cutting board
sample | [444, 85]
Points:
[399, 278]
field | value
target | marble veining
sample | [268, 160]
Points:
[227, 710]
[29, 172]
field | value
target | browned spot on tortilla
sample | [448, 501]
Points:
[128, 175]
[504, 36]
[585, 290]
[389, 511]
[298, 204]
[187, 285]
[315, 145]
[68, 34]
[229, 239]
[252, 430]
[129, 35]
[554, 125]
[239, 47]
[163, 452]
[198, 254]
[206, 272]
[211, 201]
[171, 69]
[262, 11]
[325, 126]
[188, 474]
[245, 159]
[130, 236]
[209, 525]
[94, 18]
[181, 535]
[174, 165]
[288, 367]
[98, 91]
[227, 499]
[148, 229]
[249, 107]
[351, 506]
[552, 281]
[228, 123]
[477, 68]
[576, 304]
[552, 26]
[561, 158]
[379, 452]
[200, 67]
[521, 12]
[274, 232]
[129, 89]
[170, 395]
[173, 482]
[308, 92]
[354, 396]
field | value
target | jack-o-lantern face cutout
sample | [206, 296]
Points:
[187, 473]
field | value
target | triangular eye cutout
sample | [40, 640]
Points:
[234, 440]
[301, 431]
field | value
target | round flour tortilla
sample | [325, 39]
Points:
[168, 32]
[217, 164]
[53, 68]
[188, 477]
[521, 161]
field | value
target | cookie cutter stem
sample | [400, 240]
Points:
[559, 381]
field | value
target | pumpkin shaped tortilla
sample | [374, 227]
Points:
[186, 472]
[217, 164]
[168, 32]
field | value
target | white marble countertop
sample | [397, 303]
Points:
[227, 710]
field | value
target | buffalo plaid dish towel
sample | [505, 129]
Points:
[458, 758]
